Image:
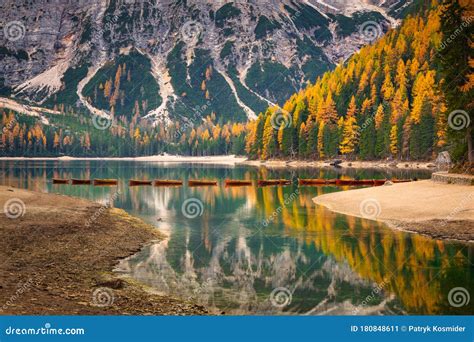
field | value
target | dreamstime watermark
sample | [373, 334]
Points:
[281, 297]
[9, 125]
[444, 44]
[103, 297]
[205, 288]
[370, 208]
[367, 122]
[281, 118]
[14, 208]
[21, 289]
[458, 119]
[102, 209]
[101, 122]
[459, 296]
[460, 207]
[46, 330]
[7, 129]
[14, 30]
[198, 114]
[191, 31]
[287, 201]
[370, 31]
[192, 208]
[371, 297]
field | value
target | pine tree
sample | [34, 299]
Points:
[269, 145]
[394, 140]
[302, 147]
[312, 138]
[367, 140]
[456, 61]
[329, 110]
[350, 130]
[321, 132]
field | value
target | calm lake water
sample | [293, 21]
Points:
[270, 250]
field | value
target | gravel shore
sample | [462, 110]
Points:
[57, 254]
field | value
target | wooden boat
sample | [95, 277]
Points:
[313, 181]
[233, 182]
[167, 182]
[135, 182]
[266, 182]
[401, 180]
[378, 182]
[80, 181]
[364, 182]
[60, 181]
[201, 182]
[99, 181]
[345, 182]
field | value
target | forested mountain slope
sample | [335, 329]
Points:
[398, 97]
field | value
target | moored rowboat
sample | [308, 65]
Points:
[60, 181]
[201, 182]
[312, 181]
[345, 182]
[99, 181]
[233, 182]
[167, 182]
[378, 182]
[80, 181]
[265, 182]
[364, 182]
[136, 182]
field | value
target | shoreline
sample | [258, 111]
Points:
[242, 160]
[376, 164]
[226, 160]
[58, 258]
[440, 211]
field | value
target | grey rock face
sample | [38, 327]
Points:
[245, 41]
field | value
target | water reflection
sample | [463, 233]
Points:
[250, 241]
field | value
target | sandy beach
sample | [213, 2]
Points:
[57, 255]
[442, 211]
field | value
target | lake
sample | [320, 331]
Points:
[266, 250]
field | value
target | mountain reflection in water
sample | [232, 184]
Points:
[268, 250]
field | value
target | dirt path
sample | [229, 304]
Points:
[57, 258]
[442, 211]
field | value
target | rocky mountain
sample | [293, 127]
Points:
[179, 60]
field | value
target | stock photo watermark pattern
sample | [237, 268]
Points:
[458, 297]
[46, 330]
[459, 119]
[281, 297]
[313, 91]
[14, 208]
[14, 31]
[103, 297]
[192, 208]
[281, 119]
[191, 31]
[101, 122]
[370, 208]
[370, 31]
